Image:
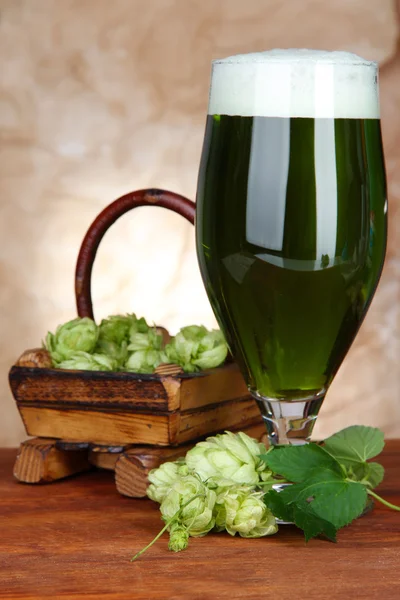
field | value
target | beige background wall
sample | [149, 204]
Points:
[99, 98]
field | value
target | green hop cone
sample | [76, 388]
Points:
[178, 538]
[145, 349]
[117, 328]
[139, 326]
[78, 335]
[190, 500]
[241, 510]
[194, 348]
[143, 361]
[83, 361]
[150, 340]
[212, 350]
[118, 353]
[229, 456]
[162, 478]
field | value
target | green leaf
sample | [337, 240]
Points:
[375, 474]
[306, 519]
[368, 473]
[330, 495]
[279, 508]
[355, 444]
[296, 463]
[302, 516]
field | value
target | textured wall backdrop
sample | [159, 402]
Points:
[99, 98]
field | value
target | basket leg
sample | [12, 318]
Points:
[133, 466]
[40, 461]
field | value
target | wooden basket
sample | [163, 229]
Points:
[85, 409]
[125, 408]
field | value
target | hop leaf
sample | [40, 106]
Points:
[296, 463]
[329, 494]
[229, 456]
[194, 348]
[78, 335]
[353, 446]
[303, 516]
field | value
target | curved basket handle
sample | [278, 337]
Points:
[95, 233]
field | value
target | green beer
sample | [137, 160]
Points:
[291, 215]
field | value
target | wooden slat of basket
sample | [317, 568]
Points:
[132, 428]
[212, 387]
[72, 389]
[162, 392]
[102, 426]
[226, 415]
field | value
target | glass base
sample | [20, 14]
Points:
[289, 421]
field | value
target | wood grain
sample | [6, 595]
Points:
[73, 540]
[166, 408]
[103, 460]
[133, 466]
[104, 456]
[122, 427]
[227, 415]
[168, 369]
[71, 389]
[35, 357]
[40, 460]
[167, 390]
[127, 428]
[219, 385]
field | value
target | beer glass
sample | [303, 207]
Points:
[291, 221]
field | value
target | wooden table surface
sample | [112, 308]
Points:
[74, 539]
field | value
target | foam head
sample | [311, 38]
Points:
[295, 83]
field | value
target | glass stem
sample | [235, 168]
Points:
[289, 421]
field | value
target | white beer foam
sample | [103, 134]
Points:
[295, 83]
